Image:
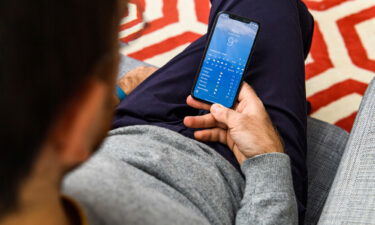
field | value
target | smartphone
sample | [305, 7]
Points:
[225, 60]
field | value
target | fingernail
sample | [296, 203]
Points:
[216, 108]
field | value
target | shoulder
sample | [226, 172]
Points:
[110, 197]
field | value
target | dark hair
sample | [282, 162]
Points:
[47, 50]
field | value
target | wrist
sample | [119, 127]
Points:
[124, 85]
[120, 94]
[274, 169]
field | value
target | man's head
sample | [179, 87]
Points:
[58, 63]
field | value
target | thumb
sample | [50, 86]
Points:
[222, 114]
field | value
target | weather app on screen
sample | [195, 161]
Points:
[225, 61]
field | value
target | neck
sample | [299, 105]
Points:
[39, 199]
[48, 209]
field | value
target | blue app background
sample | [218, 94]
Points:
[225, 61]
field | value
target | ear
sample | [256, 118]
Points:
[76, 126]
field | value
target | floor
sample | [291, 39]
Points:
[338, 69]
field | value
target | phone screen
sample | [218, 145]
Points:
[225, 60]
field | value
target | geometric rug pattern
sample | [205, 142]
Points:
[338, 69]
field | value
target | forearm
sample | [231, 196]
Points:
[269, 196]
[131, 80]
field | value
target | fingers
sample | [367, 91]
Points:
[204, 121]
[246, 92]
[212, 135]
[197, 104]
[223, 114]
[249, 102]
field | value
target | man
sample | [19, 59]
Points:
[57, 65]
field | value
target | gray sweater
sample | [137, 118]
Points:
[151, 175]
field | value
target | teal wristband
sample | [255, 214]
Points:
[120, 93]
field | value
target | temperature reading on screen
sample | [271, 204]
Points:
[232, 41]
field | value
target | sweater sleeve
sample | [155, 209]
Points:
[269, 196]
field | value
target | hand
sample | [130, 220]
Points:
[135, 77]
[247, 130]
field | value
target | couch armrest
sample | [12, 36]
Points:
[325, 146]
[352, 196]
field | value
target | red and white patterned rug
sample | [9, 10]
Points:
[338, 69]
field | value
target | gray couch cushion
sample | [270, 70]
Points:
[352, 197]
[325, 146]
